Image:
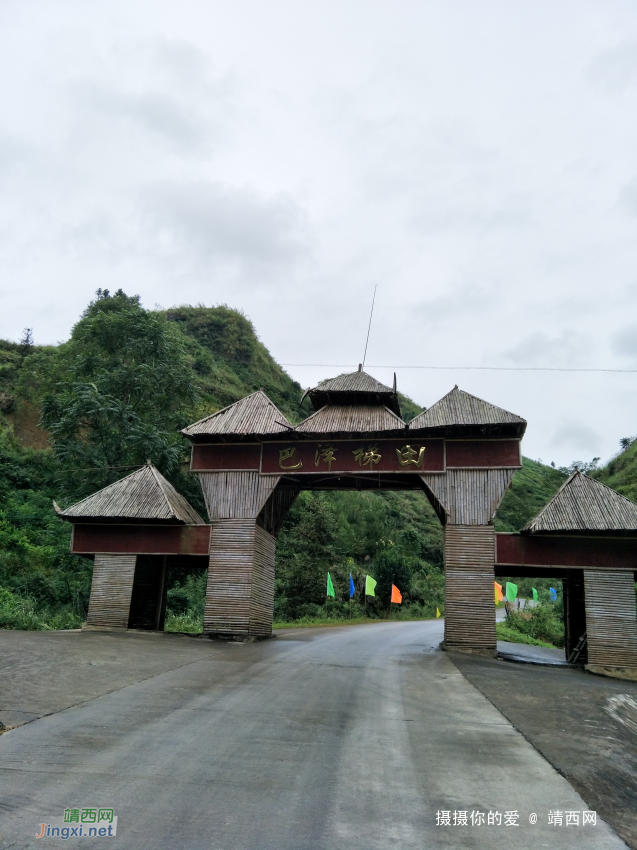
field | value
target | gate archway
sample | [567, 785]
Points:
[252, 463]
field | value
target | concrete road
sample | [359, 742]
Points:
[319, 740]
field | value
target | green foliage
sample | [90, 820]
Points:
[186, 599]
[115, 395]
[512, 635]
[621, 472]
[36, 566]
[531, 489]
[394, 537]
[230, 361]
[543, 623]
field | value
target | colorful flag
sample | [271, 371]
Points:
[536, 598]
[553, 593]
[511, 591]
[497, 589]
[396, 595]
[370, 586]
[351, 586]
[437, 613]
[330, 586]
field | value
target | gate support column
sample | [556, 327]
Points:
[111, 591]
[469, 596]
[611, 623]
[240, 590]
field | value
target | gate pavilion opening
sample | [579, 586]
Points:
[252, 463]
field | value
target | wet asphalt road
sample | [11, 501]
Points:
[319, 740]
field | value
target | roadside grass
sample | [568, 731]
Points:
[503, 632]
[308, 623]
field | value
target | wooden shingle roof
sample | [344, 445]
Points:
[356, 388]
[584, 504]
[145, 495]
[461, 410]
[351, 419]
[254, 415]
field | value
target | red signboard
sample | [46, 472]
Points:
[223, 456]
[359, 456]
[141, 539]
[483, 453]
[619, 553]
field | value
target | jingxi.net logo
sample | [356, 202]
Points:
[86, 822]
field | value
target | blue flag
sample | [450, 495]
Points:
[553, 593]
[351, 586]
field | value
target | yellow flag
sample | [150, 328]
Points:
[437, 613]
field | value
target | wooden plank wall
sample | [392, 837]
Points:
[262, 599]
[236, 495]
[111, 591]
[469, 599]
[611, 618]
[240, 589]
[469, 496]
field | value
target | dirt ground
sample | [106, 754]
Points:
[584, 725]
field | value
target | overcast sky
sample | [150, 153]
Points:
[477, 161]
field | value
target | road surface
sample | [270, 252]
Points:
[321, 739]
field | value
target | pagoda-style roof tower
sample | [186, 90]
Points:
[354, 390]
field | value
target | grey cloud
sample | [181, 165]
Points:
[570, 349]
[624, 342]
[577, 437]
[628, 196]
[156, 112]
[220, 222]
[616, 68]
[464, 299]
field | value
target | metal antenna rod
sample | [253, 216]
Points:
[370, 326]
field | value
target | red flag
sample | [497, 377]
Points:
[396, 595]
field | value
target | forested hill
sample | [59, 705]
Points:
[226, 358]
[75, 417]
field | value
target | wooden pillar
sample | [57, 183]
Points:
[611, 622]
[240, 590]
[469, 597]
[111, 590]
[574, 613]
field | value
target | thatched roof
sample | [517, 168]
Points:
[584, 504]
[351, 419]
[357, 388]
[145, 495]
[460, 410]
[252, 416]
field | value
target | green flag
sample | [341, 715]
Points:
[370, 586]
[536, 598]
[330, 586]
[512, 591]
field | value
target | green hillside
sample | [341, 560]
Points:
[77, 416]
[621, 472]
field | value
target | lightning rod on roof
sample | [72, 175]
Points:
[369, 326]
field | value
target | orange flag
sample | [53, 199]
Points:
[497, 588]
[396, 595]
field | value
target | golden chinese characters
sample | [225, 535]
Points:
[286, 454]
[407, 455]
[367, 457]
[326, 455]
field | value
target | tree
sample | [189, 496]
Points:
[117, 394]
